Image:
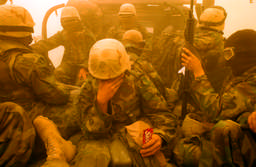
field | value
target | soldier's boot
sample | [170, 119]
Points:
[57, 148]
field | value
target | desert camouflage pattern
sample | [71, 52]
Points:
[142, 102]
[236, 103]
[75, 55]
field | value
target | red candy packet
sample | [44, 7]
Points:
[147, 135]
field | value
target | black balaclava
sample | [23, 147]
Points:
[243, 43]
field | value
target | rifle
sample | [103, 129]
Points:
[189, 35]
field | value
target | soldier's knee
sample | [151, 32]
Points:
[226, 128]
[11, 107]
[187, 153]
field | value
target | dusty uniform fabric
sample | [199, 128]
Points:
[28, 77]
[193, 139]
[166, 57]
[149, 71]
[17, 135]
[77, 46]
[210, 45]
[236, 103]
[28, 80]
[104, 134]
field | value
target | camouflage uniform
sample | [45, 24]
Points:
[147, 67]
[75, 56]
[210, 45]
[29, 81]
[236, 103]
[17, 135]
[105, 139]
[166, 58]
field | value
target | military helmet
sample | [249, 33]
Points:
[133, 36]
[15, 21]
[86, 8]
[213, 17]
[70, 19]
[127, 9]
[108, 59]
[70, 12]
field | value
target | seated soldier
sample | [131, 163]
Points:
[236, 103]
[117, 103]
[134, 45]
[77, 41]
[127, 21]
[27, 79]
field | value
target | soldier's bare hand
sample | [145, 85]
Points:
[252, 121]
[191, 62]
[107, 89]
[151, 147]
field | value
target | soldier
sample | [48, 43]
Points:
[27, 79]
[134, 45]
[91, 16]
[209, 42]
[116, 104]
[127, 21]
[236, 103]
[76, 40]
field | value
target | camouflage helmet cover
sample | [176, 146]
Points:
[108, 59]
[69, 12]
[213, 17]
[133, 36]
[15, 21]
[127, 9]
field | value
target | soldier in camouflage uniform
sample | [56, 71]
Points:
[166, 59]
[236, 103]
[77, 41]
[208, 42]
[134, 44]
[116, 104]
[27, 79]
[127, 21]
[91, 16]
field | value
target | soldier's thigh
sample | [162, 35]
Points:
[93, 153]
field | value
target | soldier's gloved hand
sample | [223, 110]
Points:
[151, 147]
[252, 121]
